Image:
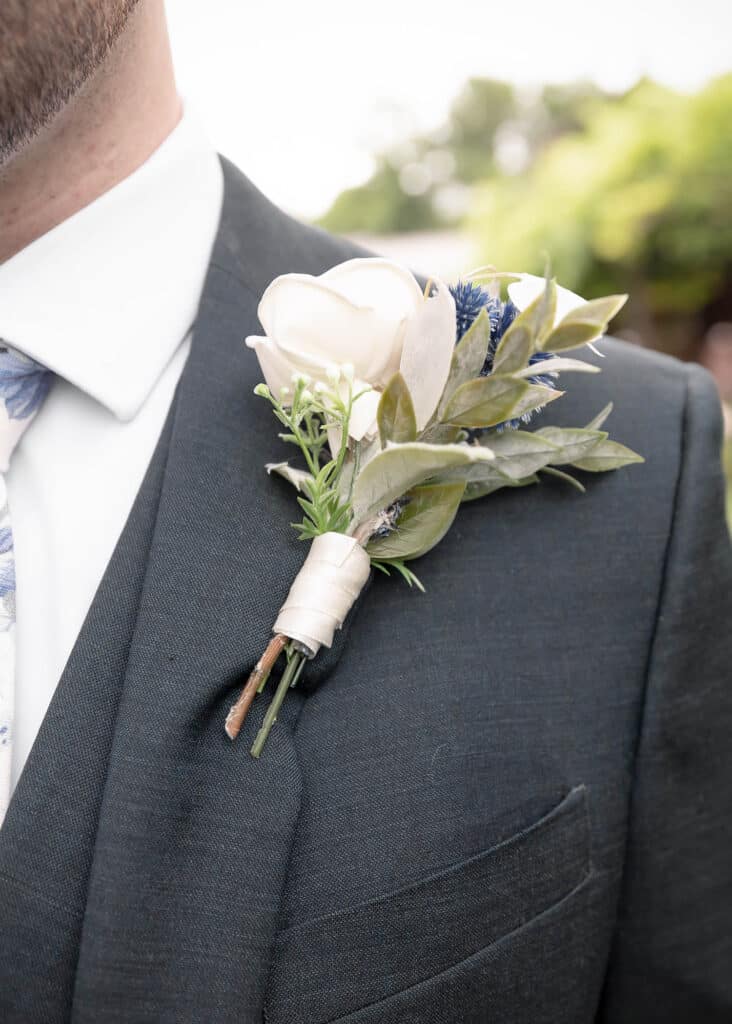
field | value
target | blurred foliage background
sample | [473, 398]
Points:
[628, 192]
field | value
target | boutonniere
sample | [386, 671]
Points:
[402, 403]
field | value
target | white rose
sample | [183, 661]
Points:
[358, 313]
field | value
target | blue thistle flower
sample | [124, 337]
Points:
[469, 299]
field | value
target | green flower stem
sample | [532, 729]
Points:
[292, 671]
[356, 468]
[304, 447]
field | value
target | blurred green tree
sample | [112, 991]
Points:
[403, 193]
[640, 200]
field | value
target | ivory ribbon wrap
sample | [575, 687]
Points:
[333, 575]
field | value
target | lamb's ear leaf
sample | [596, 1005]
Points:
[484, 402]
[520, 453]
[393, 472]
[572, 442]
[557, 365]
[395, 414]
[608, 455]
[468, 358]
[424, 521]
[598, 310]
[535, 397]
[573, 334]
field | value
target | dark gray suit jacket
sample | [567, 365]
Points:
[506, 800]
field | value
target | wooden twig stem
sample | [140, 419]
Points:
[238, 712]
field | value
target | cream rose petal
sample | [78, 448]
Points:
[395, 297]
[276, 369]
[427, 353]
[522, 293]
[303, 317]
[376, 282]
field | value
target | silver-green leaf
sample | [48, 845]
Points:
[573, 334]
[571, 442]
[608, 455]
[468, 358]
[598, 310]
[395, 414]
[399, 467]
[527, 331]
[520, 453]
[484, 402]
[597, 422]
[558, 365]
[536, 396]
[423, 523]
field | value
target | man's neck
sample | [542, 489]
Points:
[113, 124]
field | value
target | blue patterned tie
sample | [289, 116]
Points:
[24, 384]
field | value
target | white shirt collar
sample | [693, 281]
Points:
[105, 298]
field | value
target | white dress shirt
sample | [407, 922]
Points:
[106, 300]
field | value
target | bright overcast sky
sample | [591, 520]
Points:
[300, 95]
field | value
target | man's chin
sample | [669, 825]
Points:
[49, 49]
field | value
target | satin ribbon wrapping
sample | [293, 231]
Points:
[332, 576]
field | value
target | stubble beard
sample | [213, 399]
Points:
[48, 50]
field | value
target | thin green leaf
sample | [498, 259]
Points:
[535, 397]
[573, 334]
[423, 523]
[484, 402]
[403, 570]
[572, 442]
[468, 358]
[395, 414]
[598, 421]
[515, 346]
[597, 310]
[567, 477]
[527, 331]
[608, 455]
[559, 365]
[520, 453]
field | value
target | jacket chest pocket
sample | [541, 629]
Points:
[434, 939]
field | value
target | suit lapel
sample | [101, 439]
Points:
[193, 834]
